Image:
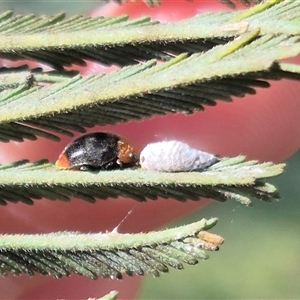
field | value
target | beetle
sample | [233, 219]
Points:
[98, 150]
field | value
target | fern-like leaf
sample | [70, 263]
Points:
[232, 178]
[184, 84]
[109, 255]
[59, 42]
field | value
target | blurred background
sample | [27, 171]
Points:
[40, 7]
[260, 258]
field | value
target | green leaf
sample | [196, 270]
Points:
[184, 84]
[231, 178]
[12, 78]
[108, 255]
[59, 42]
[250, 44]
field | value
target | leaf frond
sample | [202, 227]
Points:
[11, 78]
[232, 178]
[109, 255]
[182, 85]
[59, 42]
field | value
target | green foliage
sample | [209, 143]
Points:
[107, 255]
[232, 178]
[207, 58]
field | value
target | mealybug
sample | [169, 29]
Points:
[175, 156]
[98, 150]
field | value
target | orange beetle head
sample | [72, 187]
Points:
[127, 154]
[63, 162]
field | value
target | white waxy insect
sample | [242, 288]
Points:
[175, 156]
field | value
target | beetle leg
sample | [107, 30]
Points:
[84, 168]
[119, 163]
